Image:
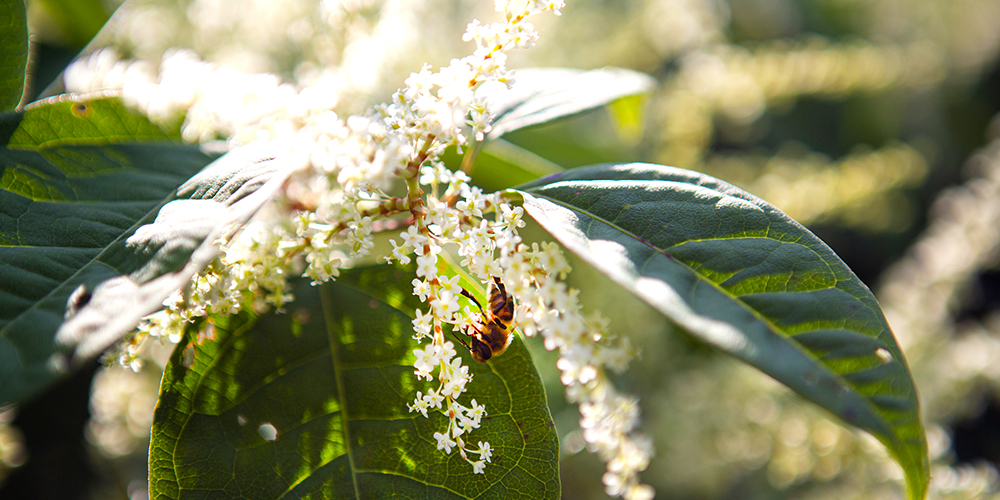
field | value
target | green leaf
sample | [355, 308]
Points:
[541, 95]
[332, 379]
[13, 53]
[544, 95]
[502, 164]
[95, 231]
[84, 119]
[738, 274]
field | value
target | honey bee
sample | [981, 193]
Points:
[493, 333]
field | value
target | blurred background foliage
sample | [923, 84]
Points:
[872, 122]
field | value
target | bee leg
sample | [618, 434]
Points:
[460, 340]
[500, 286]
[473, 299]
[479, 350]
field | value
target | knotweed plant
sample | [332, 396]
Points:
[312, 189]
[325, 217]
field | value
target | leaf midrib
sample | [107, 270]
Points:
[331, 335]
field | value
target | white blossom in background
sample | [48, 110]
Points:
[356, 46]
[609, 419]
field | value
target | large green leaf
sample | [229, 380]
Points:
[97, 229]
[13, 53]
[737, 273]
[331, 379]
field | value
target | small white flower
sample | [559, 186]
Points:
[479, 467]
[512, 217]
[421, 289]
[434, 399]
[555, 6]
[427, 266]
[446, 352]
[450, 284]
[476, 412]
[422, 325]
[426, 361]
[445, 305]
[444, 442]
[413, 239]
[419, 404]
[400, 252]
[485, 451]
[455, 386]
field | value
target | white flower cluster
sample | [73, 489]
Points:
[446, 220]
[435, 106]
[355, 50]
[331, 206]
[250, 272]
[609, 419]
[346, 163]
[461, 420]
[493, 249]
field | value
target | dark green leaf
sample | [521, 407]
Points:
[334, 388]
[13, 53]
[541, 95]
[95, 232]
[737, 273]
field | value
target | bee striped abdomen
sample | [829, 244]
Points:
[501, 305]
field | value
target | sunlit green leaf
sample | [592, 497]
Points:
[738, 274]
[88, 119]
[502, 164]
[628, 114]
[312, 404]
